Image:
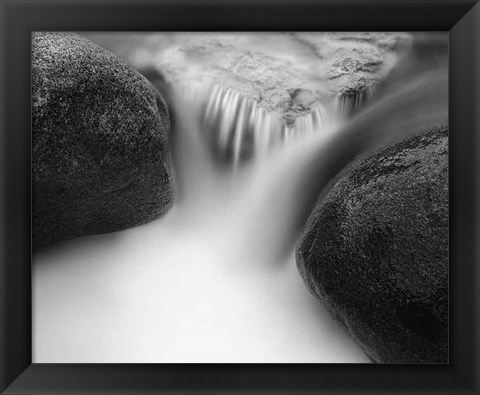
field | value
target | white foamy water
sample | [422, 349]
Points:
[198, 285]
[240, 128]
[215, 279]
[173, 291]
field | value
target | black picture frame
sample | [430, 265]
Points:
[18, 18]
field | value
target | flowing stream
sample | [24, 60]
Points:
[215, 279]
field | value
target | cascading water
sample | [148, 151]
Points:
[240, 129]
[279, 188]
[350, 102]
[215, 279]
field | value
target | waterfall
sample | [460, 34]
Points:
[350, 102]
[215, 279]
[240, 129]
[277, 192]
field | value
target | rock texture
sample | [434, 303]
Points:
[100, 150]
[375, 251]
[259, 89]
[288, 73]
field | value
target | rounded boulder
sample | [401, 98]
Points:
[100, 142]
[375, 251]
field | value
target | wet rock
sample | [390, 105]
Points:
[267, 67]
[259, 89]
[375, 251]
[100, 150]
[327, 64]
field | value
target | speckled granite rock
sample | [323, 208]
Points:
[375, 251]
[100, 152]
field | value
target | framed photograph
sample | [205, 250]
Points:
[240, 197]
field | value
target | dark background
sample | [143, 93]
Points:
[18, 18]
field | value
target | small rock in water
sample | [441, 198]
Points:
[100, 153]
[375, 251]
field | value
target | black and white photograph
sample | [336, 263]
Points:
[240, 197]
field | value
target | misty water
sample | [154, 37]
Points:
[215, 279]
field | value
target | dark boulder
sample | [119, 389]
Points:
[100, 144]
[375, 251]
